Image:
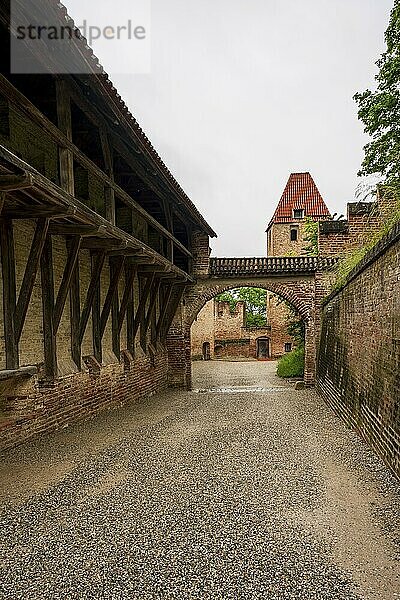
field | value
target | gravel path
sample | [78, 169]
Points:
[244, 488]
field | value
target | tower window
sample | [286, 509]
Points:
[298, 213]
[288, 347]
[294, 234]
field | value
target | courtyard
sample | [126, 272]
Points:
[242, 488]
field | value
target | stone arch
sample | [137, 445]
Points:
[196, 301]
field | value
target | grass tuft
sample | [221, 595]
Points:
[292, 364]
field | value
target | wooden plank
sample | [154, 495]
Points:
[116, 267]
[74, 229]
[75, 312]
[2, 202]
[31, 212]
[46, 269]
[32, 267]
[87, 308]
[9, 292]
[66, 157]
[72, 261]
[129, 278]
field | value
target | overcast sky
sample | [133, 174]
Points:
[243, 92]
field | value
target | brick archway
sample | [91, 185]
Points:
[299, 290]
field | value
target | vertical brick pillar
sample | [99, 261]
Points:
[179, 352]
[201, 254]
[310, 354]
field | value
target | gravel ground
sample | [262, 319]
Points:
[244, 488]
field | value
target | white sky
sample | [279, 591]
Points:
[243, 92]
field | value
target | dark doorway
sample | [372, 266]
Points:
[206, 351]
[263, 348]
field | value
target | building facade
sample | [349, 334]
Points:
[287, 236]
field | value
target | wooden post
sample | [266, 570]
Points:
[97, 266]
[116, 266]
[96, 329]
[9, 292]
[29, 279]
[109, 198]
[46, 268]
[66, 157]
[75, 311]
[130, 318]
[72, 261]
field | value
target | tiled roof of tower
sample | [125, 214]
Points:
[300, 192]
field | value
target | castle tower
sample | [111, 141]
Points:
[286, 237]
[300, 199]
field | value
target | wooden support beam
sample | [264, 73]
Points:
[109, 199]
[116, 267]
[152, 305]
[72, 260]
[115, 332]
[66, 157]
[98, 263]
[9, 183]
[75, 312]
[97, 338]
[46, 268]
[32, 212]
[164, 305]
[2, 202]
[130, 317]
[173, 307]
[140, 313]
[129, 278]
[29, 278]
[82, 230]
[95, 243]
[9, 292]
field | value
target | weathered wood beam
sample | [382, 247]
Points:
[129, 278]
[95, 243]
[66, 157]
[164, 305]
[130, 317]
[9, 292]
[96, 333]
[9, 183]
[74, 229]
[116, 267]
[2, 202]
[140, 313]
[109, 199]
[152, 304]
[98, 263]
[46, 268]
[75, 312]
[72, 260]
[29, 278]
[32, 212]
[173, 307]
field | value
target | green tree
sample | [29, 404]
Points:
[256, 304]
[380, 110]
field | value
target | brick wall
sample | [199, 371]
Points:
[228, 324]
[358, 370]
[203, 331]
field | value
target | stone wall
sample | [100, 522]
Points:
[358, 368]
[203, 332]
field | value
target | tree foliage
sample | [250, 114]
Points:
[379, 110]
[311, 232]
[256, 304]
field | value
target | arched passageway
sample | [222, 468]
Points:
[298, 291]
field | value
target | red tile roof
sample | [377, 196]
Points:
[300, 193]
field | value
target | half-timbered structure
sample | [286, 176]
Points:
[97, 243]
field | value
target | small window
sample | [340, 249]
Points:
[293, 235]
[298, 213]
[288, 347]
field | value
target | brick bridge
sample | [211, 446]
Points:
[298, 280]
